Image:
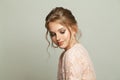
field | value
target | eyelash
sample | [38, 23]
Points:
[62, 32]
[53, 34]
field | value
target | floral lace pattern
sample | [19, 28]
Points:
[75, 64]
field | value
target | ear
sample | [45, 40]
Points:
[73, 32]
[74, 29]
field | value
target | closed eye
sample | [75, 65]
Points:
[52, 34]
[62, 31]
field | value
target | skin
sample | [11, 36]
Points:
[60, 35]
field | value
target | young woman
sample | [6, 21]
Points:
[74, 62]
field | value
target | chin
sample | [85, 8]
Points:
[62, 47]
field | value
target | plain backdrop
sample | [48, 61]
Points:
[23, 47]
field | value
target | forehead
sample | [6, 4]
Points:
[55, 26]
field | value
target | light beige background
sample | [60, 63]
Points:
[23, 54]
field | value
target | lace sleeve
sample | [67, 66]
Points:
[73, 67]
[77, 65]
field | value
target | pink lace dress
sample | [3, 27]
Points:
[75, 64]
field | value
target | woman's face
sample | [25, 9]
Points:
[59, 34]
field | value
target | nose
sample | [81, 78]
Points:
[58, 37]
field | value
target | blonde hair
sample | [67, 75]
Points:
[62, 16]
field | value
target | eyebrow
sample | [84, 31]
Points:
[59, 29]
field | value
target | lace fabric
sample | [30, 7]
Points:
[75, 64]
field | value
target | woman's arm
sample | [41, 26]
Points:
[78, 67]
[73, 67]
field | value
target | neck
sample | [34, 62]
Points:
[71, 44]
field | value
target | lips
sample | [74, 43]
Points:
[60, 43]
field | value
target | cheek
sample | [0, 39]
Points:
[53, 40]
[67, 36]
